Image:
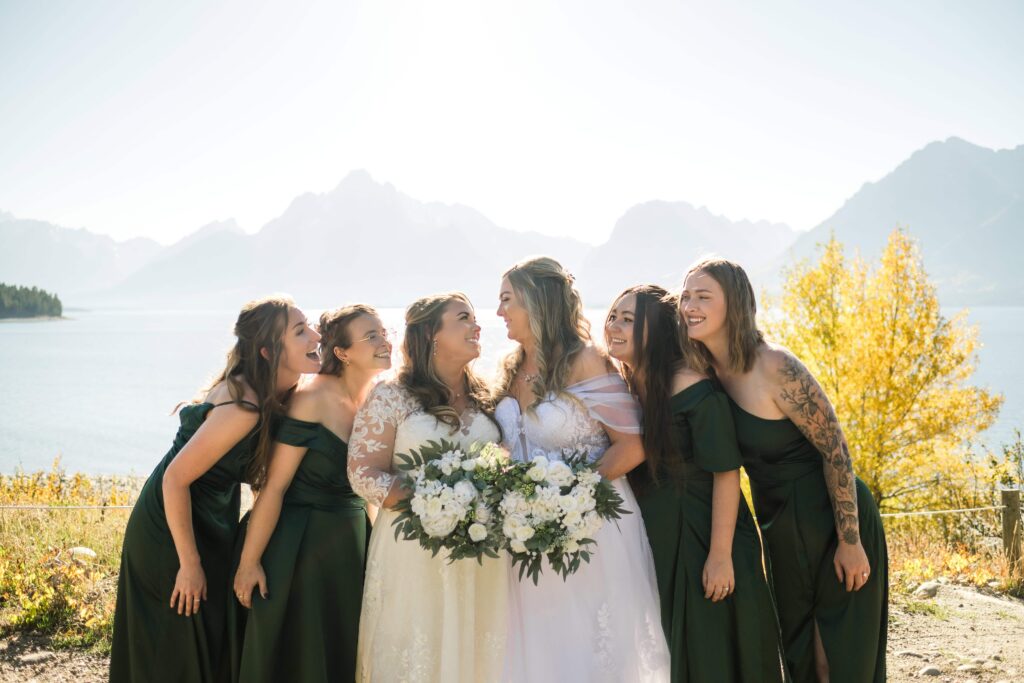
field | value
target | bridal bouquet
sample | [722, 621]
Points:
[451, 506]
[552, 508]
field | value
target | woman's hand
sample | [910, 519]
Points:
[189, 589]
[718, 579]
[246, 578]
[851, 565]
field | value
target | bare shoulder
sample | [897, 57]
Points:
[684, 378]
[590, 362]
[307, 402]
[221, 393]
[778, 366]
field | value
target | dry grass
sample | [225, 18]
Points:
[50, 582]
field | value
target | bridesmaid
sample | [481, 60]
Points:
[821, 526]
[306, 537]
[716, 607]
[177, 545]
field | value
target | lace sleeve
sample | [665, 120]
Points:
[372, 444]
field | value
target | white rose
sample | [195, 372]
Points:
[518, 546]
[477, 532]
[559, 474]
[469, 465]
[524, 532]
[432, 507]
[537, 473]
[572, 546]
[483, 513]
[464, 491]
[572, 518]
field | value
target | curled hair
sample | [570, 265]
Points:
[560, 331]
[740, 316]
[657, 357]
[261, 325]
[333, 329]
[423, 320]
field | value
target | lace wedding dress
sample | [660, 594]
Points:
[423, 619]
[602, 623]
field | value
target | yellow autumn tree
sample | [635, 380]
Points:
[895, 368]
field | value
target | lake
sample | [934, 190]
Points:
[98, 388]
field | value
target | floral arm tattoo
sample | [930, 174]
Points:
[805, 403]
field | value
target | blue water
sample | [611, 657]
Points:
[98, 389]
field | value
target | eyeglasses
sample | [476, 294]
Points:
[377, 336]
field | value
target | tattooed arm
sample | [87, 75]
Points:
[799, 396]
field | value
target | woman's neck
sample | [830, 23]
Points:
[453, 375]
[356, 383]
[718, 347]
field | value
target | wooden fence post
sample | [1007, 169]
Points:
[1012, 531]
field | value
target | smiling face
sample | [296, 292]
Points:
[371, 345]
[299, 346]
[512, 310]
[458, 338]
[702, 307]
[618, 329]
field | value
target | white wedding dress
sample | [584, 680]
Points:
[602, 623]
[423, 619]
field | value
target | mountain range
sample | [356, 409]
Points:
[365, 240]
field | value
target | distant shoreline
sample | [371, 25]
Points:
[33, 318]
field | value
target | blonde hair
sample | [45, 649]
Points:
[560, 331]
[740, 316]
[423, 319]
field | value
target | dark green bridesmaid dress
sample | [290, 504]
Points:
[794, 510]
[307, 628]
[735, 639]
[151, 641]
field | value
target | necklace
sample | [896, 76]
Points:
[529, 377]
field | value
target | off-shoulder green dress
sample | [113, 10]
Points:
[307, 629]
[794, 511]
[151, 641]
[735, 639]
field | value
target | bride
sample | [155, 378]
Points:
[602, 623]
[424, 619]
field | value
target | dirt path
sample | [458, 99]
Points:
[964, 635]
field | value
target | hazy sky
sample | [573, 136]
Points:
[154, 118]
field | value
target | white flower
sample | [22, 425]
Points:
[469, 465]
[432, 507]
[464, 491]
[572, 546]
[440, 526]
[572, 518]
[518, 546]
[483, 513]
[524, 533]
[477, 532]
[559, 474]
[539, 471]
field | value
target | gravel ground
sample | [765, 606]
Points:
[959, 634]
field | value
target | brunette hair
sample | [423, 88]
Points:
[559, 329]
[333, 329]
[740, 316]
[260, 326]
[423, 319]
[657, 355]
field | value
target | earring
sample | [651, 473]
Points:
[435, 347]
